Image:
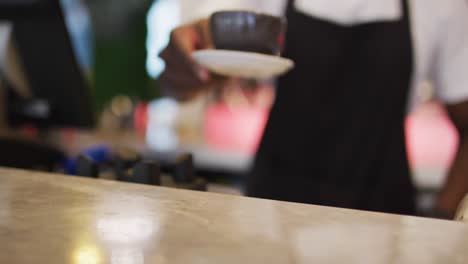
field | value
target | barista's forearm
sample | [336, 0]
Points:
[456, 186]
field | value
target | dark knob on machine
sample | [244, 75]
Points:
[184, 170]
[147, 172]
[124, 160]
[144, 172]
[86, 167]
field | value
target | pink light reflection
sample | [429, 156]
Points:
[235, 129]
[432, 140]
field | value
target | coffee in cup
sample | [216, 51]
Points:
[248, 31]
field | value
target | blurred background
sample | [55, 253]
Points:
[116, 45]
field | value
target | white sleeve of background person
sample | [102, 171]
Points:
[5, 29]
[451, 63]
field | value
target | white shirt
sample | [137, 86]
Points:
[439, 29]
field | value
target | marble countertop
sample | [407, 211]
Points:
[46, 218]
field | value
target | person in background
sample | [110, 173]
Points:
[335, 136]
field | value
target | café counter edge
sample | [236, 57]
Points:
[52, 218]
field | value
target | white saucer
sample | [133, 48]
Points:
[242, 64]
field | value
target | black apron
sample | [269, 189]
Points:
[335, 136]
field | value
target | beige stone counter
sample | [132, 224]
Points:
[53, 219]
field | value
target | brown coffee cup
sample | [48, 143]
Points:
[248, 31]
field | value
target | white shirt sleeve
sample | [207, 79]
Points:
[451, 60]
